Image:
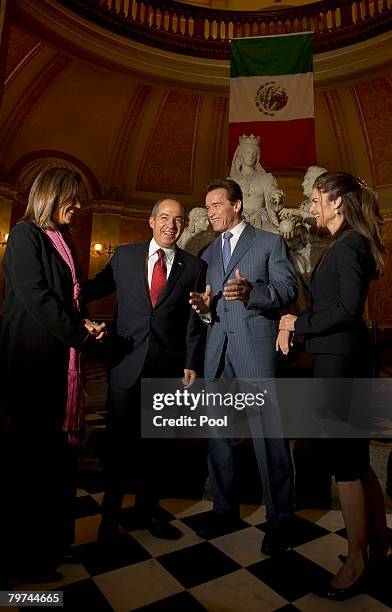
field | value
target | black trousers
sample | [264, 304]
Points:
[37, 509]
[129, 459]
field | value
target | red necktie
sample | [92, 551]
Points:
[158, 279]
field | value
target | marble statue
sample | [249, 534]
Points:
[296, 236]
[302, 211]
[195, 236]
[262, 196]
[311, 174]
[306, 244]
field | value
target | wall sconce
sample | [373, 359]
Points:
[3, 239]
[102, 249]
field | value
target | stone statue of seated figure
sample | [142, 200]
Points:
[305, 242]
[195, 236]
[262, 196]
[302, 211]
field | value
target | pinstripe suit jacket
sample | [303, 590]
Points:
[251, 328]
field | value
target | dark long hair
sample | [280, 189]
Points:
[360, 210]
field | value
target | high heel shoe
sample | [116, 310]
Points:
[335, 594]
[373, 565]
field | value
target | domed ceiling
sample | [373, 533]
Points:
[140, 123]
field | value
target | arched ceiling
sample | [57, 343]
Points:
[58, 25]
[140, 123]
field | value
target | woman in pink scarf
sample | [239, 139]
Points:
[42, 335]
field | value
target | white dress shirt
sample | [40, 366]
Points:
[236, 231]
[153, 257]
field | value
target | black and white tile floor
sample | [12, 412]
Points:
[225, 574]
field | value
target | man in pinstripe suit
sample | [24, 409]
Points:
[249, 278]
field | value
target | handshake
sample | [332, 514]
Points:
[95, 330]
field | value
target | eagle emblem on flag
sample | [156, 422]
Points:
[270, 98]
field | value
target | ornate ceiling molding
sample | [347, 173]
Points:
[117, 208]
[205, 32]
[70, 32]
[65, 29]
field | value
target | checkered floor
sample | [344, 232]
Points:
[225, 574]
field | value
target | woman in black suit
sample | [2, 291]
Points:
[42, 333]
[337, 337]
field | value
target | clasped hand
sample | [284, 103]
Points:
[286, 327]
[97, 330]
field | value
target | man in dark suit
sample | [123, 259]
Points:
[157, 335]
[249, 278]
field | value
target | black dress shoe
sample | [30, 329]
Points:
[373, 564]
[335, 594]
[277, 539]
[37, 576]
[161, 528]
[110, 531]
[70, 558]
[218, 524]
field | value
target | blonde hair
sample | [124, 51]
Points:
[53, 188]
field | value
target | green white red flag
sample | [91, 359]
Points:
[271, 96]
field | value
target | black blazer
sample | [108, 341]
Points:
[169, 334]
[38, 327]
[339, 287]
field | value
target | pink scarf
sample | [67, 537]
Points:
[73, 423]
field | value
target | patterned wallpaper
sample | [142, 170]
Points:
[167, 162]
[374, 103]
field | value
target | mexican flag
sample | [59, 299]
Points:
[271, 96]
